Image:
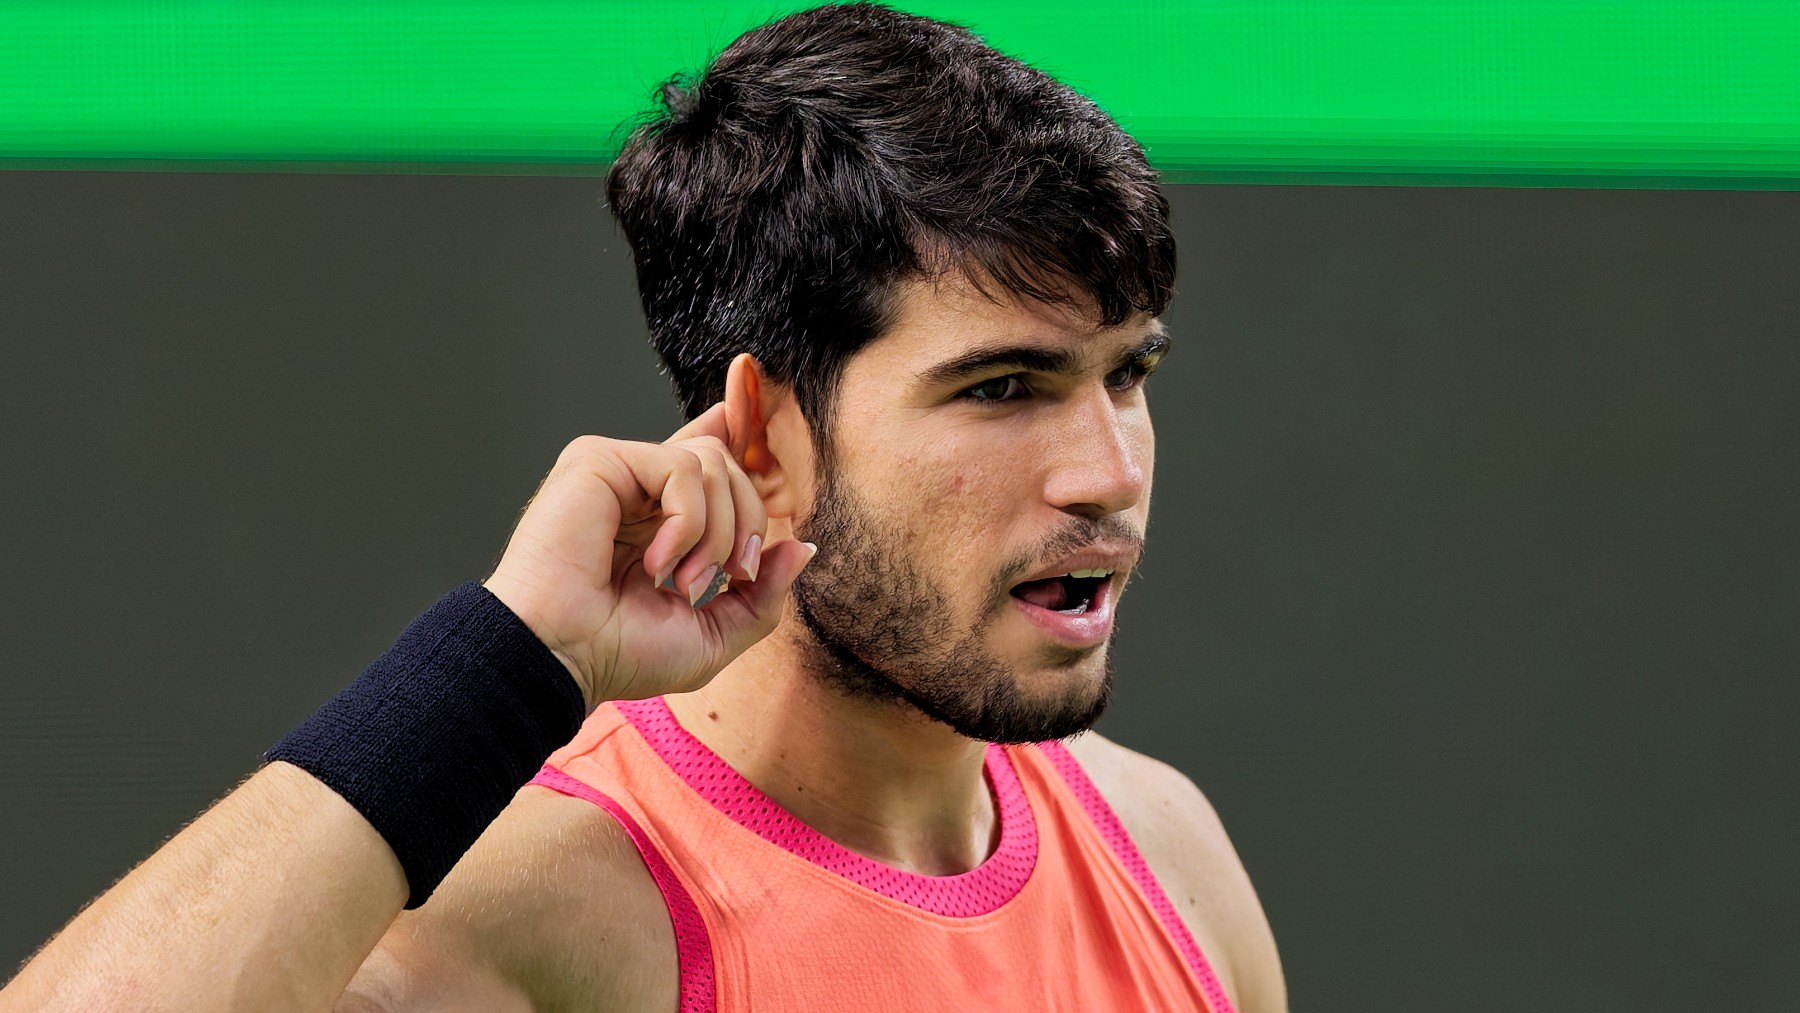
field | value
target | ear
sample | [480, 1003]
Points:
[751, 402]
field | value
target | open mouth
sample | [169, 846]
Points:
[1071, 593]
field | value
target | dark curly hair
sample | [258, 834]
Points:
[773, 201]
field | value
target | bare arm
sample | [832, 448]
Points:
[275, 897]
[228, 915]
[552, 909]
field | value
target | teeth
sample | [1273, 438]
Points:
[1088, 573]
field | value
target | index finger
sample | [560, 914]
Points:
[710, 422]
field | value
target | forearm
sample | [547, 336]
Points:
[273, 898]
[270, 900]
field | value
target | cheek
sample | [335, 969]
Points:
[936, 491]
[969, 510]
[947, 500]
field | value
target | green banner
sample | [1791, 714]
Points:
[1675, 92]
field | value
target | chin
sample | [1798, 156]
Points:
[1060, 696]
[1083, 678]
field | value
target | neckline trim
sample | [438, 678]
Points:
[979, 891]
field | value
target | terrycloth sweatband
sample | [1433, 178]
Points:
[436, 736]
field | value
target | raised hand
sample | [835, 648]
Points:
[615, 519]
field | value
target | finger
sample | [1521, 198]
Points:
[570, 516]
[749, 611]
[675, 477]
[710, 422]
[751, 523]
[705, 562]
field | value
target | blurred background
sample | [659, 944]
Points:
[1474, 577]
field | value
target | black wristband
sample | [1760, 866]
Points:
[436, 736]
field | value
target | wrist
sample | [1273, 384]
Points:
[518, 597]
[431, 742]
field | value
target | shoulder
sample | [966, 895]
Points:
[1184, 841]
[552, 908]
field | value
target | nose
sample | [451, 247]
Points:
[1102, 457]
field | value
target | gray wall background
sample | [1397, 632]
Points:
[1471, 600]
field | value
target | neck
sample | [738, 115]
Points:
[877, 777]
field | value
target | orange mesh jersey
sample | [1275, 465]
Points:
[772, 916]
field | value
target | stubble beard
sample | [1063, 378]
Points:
[882, 631]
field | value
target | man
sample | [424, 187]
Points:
[907, 290]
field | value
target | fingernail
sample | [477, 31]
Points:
[752, 556]
[703, 585]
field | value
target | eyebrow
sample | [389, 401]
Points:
[1031, 358]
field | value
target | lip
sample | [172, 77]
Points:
[1088, 629]
[1116, 560]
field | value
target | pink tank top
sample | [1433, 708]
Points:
[772, 916]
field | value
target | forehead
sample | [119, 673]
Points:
[940, 318]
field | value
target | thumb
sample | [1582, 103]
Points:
[749, 611]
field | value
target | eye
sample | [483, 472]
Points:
[1130, 375]
[997, 390]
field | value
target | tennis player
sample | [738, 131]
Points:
[798, 691]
